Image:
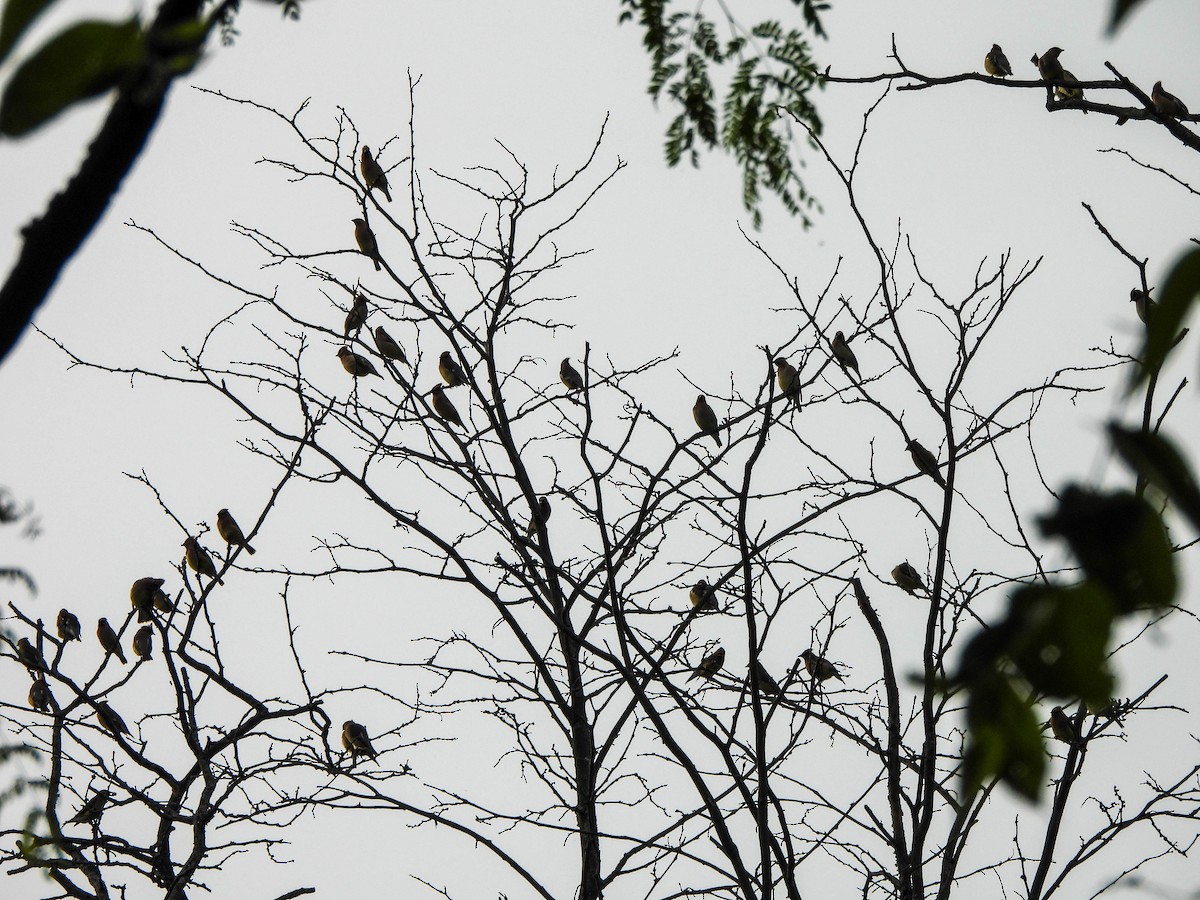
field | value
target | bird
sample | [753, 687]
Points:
[30, 655]
[1143, 304]
[1062, 727]
[143, 642]
[357, 317]
[68, 626]
[926, 462]
[706, 419]
[365, 238]
[356, 365]
[703, 597]
[710, 665]
[542, 515]
[450, 370]
[40, 696]
[110, 719]
[843, 354]
[766, 684]
[996, 63]
[199, 561]
[92, 809]
[355, 740]
[788, 379]
[570, 375]
[1071, 90]
[109, 641]
[819, 668]
[373, 173]
[908, 578]
[388, 348]
[1048, 65]
[146, 594]
[1167, 104]
[231, 532]
[443, 407]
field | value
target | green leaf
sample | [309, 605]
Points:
[18, 16]
[1167, 316]
[1003, 739]
[1121, 9]
[1157, 460]
[84, 60]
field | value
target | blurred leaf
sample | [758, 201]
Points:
[84, 60]
[1004, 739]
[1061, 640]
[1121, 9]
[1121, 544]
[1167, 316]
[18, 15]
[1156, 459]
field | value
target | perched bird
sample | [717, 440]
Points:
[356, 365]
[231, 532]
[92, 809]
[1062, 727]
[143, 642]
[908, 578]
[450, 370]
[703, 597]
[29, 654]
[926, 462]
[542, 515]
[373, 173]
[843, 354]
[110, 719]
[819, 668]
[996, 63]
[788, 379]
[355, 740]
[1143, 304]
[1167, 104]
[365, 238]
[1048, 65]
[198, 560]
[710, 665]
[146, 594]
[570, 375]
[357, 317]
[706, 419]
[68, 626]
[1071, 90]
[388, 348]
[108, 640]
[40, 696]
[443, 407]
[766, 684]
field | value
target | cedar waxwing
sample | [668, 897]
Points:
[1114, 710]
[542, 515]
[143, 642]
[996, 63]
[766, 684]
[373, 173]
[29, 655]
[703, 597]
[198, 560]
[1048, 65]
[450, 370]
[570, 375]
[68, 626]
[1069, 91]
[926, 462]
[365, 238]
[356, 365]
[844, 355]
[110, 719]
[146, 594]
[1143, 304]
[92, 810]
[908, 578]
[1062, 727]
[231, 532]
[1167, 104]
[819, 668]
[443, 407]
[108, 640]
[706, 419]
[710, 665]
[387, 346]
[355, 740]
[788, 379]
[357, 317]
[40, 696]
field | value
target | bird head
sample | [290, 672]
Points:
[807, 655]
[360, 223]
[366, 152]
[780, 361]
[1052, 53]
[344, 351]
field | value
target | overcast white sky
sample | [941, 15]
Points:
[970, 172]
